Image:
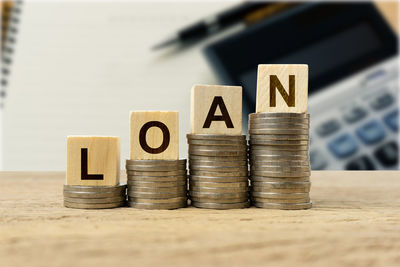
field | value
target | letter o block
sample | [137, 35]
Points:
[282, 88]
[154, 135]
[216, 109]
[93, 160]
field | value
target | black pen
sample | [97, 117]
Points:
[212, 24]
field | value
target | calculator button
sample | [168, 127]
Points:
[354, 114]
[343, 146]
[371, 132]
[328, 127]
[382, 101]
[361, 163]
[317, 160]
[387, 154]
[392, 120]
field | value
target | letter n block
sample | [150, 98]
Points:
[93, 160]
[282, 88]
[154, 135]
[216, 109]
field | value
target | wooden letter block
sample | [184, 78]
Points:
[93, 160]
[282, 88]
[154, 135]
[216, 109]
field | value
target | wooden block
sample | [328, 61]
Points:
[154, 135]
[93, 160]
[282, 88]
[216, 109]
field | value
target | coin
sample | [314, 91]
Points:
[217, 168]
[239, 142]
[299, 126]
[216, 153]
[233, 163]
[279, 120]
[256, 189]
[95, 189]
[278, 115]
[177, 189]
[281, 137]
[225, 185]
[93, 206]
[287, 185]
[95, 200]
[159, 162]
[298, 206]
[217, 195]
[279, 148]
[80, 194]
[218, 189]
[281, 163]
[267, 152]
[217, 179]
[220, 148]
[133, 178]
[221, 206]
[155, 194]
[220, 200]
[279, 195]
[157, 173]
[283, 179]
[261, 158]
[154, 168]
[280, 174]
[157, 206]
[219, 174]
[290, 169]
[255, 141]
[283, 201]
[157, 200]
[156, 184]
[218, 159]
[215, 137]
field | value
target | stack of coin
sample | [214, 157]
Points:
[157, 184]
[279, 161]
[218, 171]
[94, 197]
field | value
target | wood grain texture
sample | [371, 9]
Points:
[154, 136]
[282, 72]
[202, 98]
[103, 158]
[355, 222]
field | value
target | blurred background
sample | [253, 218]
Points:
[79, 67]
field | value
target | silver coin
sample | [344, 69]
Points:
[79, 194]
[224, 185]
[157, 206]
[255, 189]
[279, 120]
[254, 158]
[279, 195]
[220, 200]
[154, 168]
[234, 163]
[268, 152]
[156, 184]
[282, 137]
[281, 163]
[279, 131]
[134, 178]
[158, 200]
[218, 159]
[278, 148]
[94, 200]
[156, 162]
[218, 195]
[219, 174]
[280, 206]
[95, 188]
[177, 189]
[218, 189]
[156, 173]
[220, 206]
[283, 126]
[281, 180]
[219, 148]
[282, 201]
[290, 169]
[93, 206]
[239, 142]
[284, 185]
[280, 174]
[217, 168]
[215, 137]
[261, 142]
[155, 194]
[278, 115]
[213, 179]
[214, 153]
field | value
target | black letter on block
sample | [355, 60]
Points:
[142, 137]
[274, 83]
[218, 101]
[84, 167]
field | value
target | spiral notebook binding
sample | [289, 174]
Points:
[8, 45]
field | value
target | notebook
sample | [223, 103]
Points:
[80, 67]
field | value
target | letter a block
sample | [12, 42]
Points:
[282, 88]
[216, 109]
[154, 135]
[93, 160]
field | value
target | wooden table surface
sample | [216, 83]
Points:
[355, 221]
